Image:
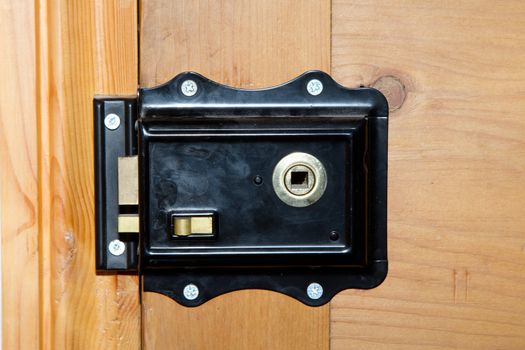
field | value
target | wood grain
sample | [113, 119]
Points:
[19, 177]
[247, 44]
[240, 43]
[58, 55]
[92, 49]
[456, 184]
[256, 319]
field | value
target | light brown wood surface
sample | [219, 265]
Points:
[241, 43]
[456, 172]
[247, 44]
[91, 49]
[19, 176]
[254, 319]
[56, 56]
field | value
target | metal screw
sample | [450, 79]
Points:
[314, 87]
[116, 247]
[189, 88]
[191, 292]
[314, 290]
[112, 121]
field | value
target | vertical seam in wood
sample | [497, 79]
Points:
[139, 20]
[330, 72]
[330, 38]
[41, 87]
[38, 106]
[141, 308]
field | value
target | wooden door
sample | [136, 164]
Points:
[453, 74]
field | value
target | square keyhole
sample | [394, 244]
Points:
[299, 179]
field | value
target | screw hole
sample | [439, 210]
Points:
[334, 235]
[258, 180]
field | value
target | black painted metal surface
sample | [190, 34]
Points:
[215, 152]
[109, 145]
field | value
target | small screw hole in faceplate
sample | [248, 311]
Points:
[258, 180]
[334, 235]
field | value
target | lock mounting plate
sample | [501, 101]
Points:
[274, 189]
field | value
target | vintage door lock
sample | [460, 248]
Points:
[206, 189]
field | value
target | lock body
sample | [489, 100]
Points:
[231, 189]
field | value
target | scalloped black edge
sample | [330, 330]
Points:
[290, 282]
[168, 100]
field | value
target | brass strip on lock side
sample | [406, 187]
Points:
[128, 223]
[128, 180]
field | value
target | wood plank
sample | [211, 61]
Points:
[59, 55]
[19, 177]
[456, 184]
[253, 319]
[244, 43]
[247, 44]
[92, 49]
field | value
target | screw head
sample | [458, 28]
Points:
[314, 291]
[116, 247]
[314, 87]
[191, 292]
[112, 121]
[189, 88]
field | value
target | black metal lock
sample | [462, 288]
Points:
[206, 189]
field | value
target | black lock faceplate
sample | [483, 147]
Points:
[214, 153]
[192, 166]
